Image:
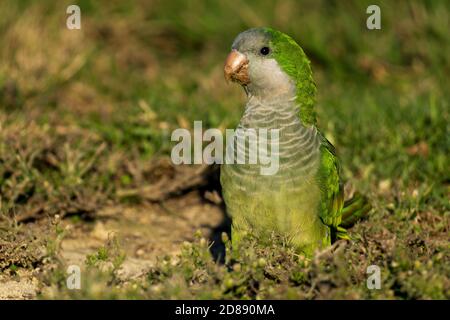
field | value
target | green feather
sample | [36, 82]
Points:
[295, 63]
[331, 187]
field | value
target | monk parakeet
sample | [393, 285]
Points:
[303, 201]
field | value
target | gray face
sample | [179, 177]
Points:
[251, 42]
[266, 77]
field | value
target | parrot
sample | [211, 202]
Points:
[303, 202]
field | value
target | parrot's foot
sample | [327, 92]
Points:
[341, 233]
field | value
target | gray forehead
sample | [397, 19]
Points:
[251, 39]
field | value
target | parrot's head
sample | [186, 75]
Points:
[269, 64]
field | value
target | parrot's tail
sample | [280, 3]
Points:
[354, 209]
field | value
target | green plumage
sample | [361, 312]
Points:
[294, 62]
[303, 202]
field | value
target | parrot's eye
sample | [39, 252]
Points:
[264, 51]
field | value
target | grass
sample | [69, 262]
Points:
[82, 113]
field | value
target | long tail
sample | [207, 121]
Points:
[354, 209]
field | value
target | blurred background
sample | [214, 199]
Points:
[84, 114]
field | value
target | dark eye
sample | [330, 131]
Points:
[264, 51]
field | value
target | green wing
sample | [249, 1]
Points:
[332, 189]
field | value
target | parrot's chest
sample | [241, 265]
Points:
[288, 198]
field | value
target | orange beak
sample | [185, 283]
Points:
[236, 68]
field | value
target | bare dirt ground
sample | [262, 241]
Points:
[145, 232]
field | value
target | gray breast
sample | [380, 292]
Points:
[298, 145]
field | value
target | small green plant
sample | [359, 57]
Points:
[111, 253]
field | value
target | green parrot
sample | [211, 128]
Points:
[303, 202]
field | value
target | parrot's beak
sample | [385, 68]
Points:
[236, 68]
